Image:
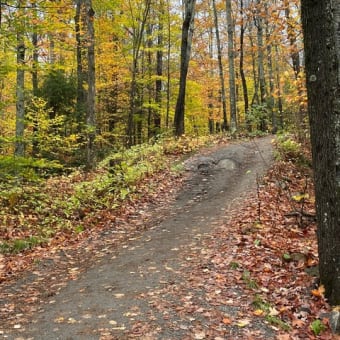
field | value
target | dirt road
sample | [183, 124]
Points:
[118, 296]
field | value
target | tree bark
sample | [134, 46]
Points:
[159, 70]
[231, 60]
[137, 41]
[321, 25]
[20, 91]
[279, 91]
[81, 95]
[187, 33]
[271, 101]
[91, 84]
[295, 57]
[241, 66]
[260, 60]
[35, 142]
[168, 80]
[220, 68]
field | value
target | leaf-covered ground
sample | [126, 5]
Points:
[257, 269]
[267, 253]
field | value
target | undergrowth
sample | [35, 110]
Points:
[36, 206]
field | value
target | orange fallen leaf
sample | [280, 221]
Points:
[227, 321]
[318, 292]
[258, 312]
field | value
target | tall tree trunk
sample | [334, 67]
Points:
[137, 41]
[159, 70]
[168, 81]
[220, 68]
[20, 89]
[295, 57]
[241, 65]
[91, 84]
[255, 99]
[151, 110]
[35, 142]
[187, 32]
[278, 85]
[321, 22]
[81, 95]
[260, 60]
[271, 101]
[211, 124]
[231, 59]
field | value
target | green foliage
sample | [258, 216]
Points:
[48, 133]
[251, 283]
[234, 265]
[258, 118]
[288, 149]
[20, 245]
[28, 169]
[123, 170]
[261, 304]
[274, 320]
[317, 327]
[59, 91]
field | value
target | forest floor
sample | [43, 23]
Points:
[230, 255]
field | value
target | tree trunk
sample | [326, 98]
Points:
[35, 142]
[20, 91]
[91, 84]
[242, 74]
[231, 59]
[137, 41]
[81, 96]
[271, 101]
[255, 98]
[168, 81]
[295, 57]
[220, 68]
[321, 23]
[260, 61]
[159, 70]
[278, 85]
[187, 32]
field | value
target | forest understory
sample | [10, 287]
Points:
[266, 251]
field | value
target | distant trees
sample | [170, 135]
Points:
[321, 22]
[134, 78]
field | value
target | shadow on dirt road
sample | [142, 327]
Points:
[116, 293]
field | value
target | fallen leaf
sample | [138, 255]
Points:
[258, 312]
[119, 295]
[200, 336]
[243, 323]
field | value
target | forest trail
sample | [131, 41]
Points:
[130, 292]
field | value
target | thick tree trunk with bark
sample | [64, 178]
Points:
[220, 68]
[187, 32]
[321, 25]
